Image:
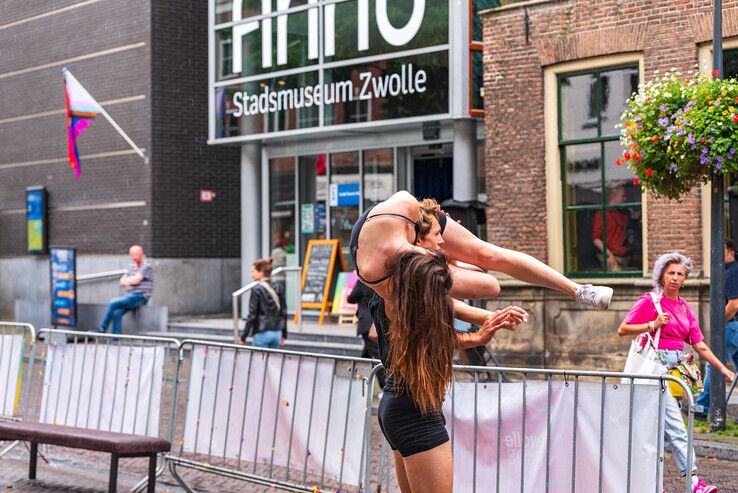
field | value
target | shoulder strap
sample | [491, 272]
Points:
[271, 292]
[657, 303]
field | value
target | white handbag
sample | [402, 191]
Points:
[642, 357]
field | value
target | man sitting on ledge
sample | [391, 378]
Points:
[139, 282]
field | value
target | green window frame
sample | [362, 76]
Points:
[589, 199]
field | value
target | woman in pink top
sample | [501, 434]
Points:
[678, 326]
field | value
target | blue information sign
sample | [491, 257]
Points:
[36, 219]
[344, 194]
[63, 268]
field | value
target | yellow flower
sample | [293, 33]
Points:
[725, 113]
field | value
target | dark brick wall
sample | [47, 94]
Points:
[182, 162]
[160, 61]
[80, 212]
[667, 33]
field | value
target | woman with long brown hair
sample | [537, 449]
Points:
[416, 345]
[394, 225]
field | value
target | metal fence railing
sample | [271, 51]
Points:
[286, 419]
[548, 431]
[17, 345]
[110, 382]
[303, 422]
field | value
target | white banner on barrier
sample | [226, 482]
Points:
[316, 406]
[103, 387]
[11, 356]
[533, 443]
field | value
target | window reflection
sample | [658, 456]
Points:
[378, 176]
[578, 110]
[345, 193]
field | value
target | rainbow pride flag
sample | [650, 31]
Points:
[81, 110]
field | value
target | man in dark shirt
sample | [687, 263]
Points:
[731, 328]
[139, 282]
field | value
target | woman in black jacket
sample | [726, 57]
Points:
[266, 320]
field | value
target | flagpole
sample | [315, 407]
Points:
[93, 101]
[123, 134]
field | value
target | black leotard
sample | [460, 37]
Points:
[354, 242]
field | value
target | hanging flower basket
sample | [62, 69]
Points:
[677, 133]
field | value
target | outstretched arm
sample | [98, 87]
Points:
[508, 318]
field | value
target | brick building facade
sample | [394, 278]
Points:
[146, 62]
[533, 53]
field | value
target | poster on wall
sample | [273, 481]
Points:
[36, 220]
[307, 219]
[63, 270]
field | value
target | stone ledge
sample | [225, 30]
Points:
[723, 451]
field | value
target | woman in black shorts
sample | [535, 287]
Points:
[417, 349]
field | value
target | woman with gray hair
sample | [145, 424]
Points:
[678, 325]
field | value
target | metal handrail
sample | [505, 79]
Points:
[101, 275]
[236, 295]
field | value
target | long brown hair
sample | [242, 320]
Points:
[421, 333]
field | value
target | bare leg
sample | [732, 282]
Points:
[401, 474]
[431, 471]
[461, 244]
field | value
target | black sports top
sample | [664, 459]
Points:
[354, 242]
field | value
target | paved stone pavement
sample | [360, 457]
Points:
[68, 473]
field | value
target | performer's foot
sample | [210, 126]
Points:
[595, 296]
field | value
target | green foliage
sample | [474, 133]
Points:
[731, 429]
[679, 132]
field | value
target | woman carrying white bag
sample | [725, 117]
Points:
[669, 321]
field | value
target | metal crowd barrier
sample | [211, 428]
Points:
[110, 382]
[17, 344]
[551, 430]
[286, 419]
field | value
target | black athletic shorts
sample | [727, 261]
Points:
[406, 429]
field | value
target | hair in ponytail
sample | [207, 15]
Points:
[264, 265]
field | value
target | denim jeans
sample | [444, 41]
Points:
[731, 354]
[268, 339]
[674, 428]
[118, 307]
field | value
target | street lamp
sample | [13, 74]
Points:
[717, 254]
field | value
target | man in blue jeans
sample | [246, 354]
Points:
[731, 329]
[139, 282]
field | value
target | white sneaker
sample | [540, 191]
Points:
[595, 296]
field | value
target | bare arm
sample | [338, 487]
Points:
[706, 353]
[469, 313]
[731, 308]
[635, 329]
[508, 318]
[133, 280]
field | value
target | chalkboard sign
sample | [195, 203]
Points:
[319, 273]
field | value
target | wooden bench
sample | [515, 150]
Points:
[116, 444]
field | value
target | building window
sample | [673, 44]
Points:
[476, 68]
[602, 207]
